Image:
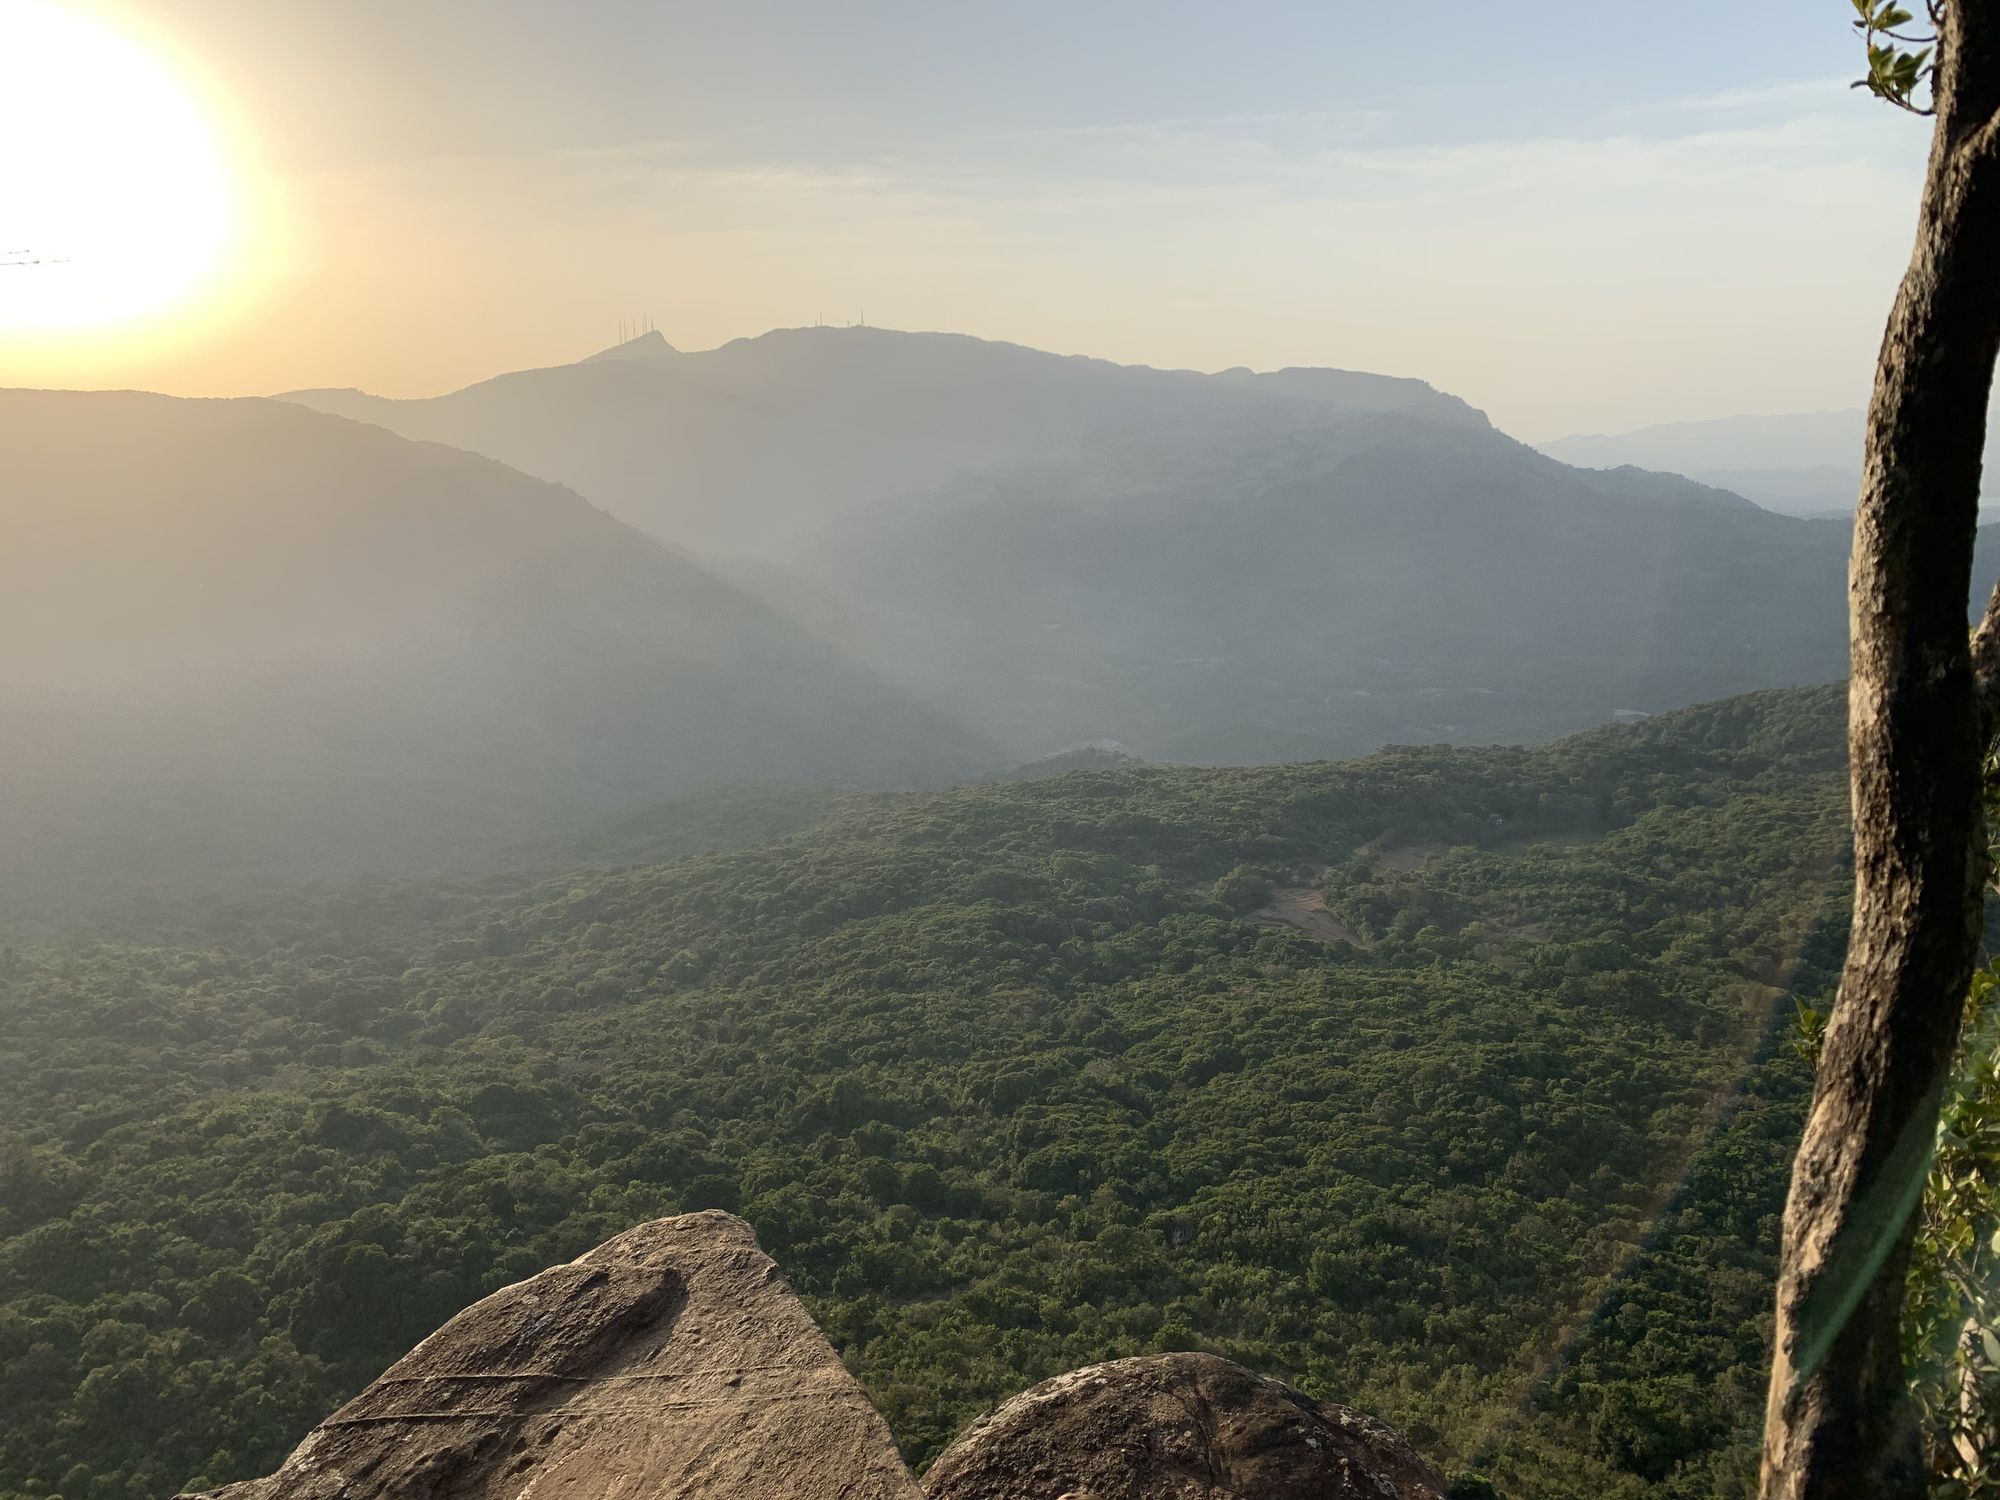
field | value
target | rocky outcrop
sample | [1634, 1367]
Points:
[1177, 1427]
[675, 1363]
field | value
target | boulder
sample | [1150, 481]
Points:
[1177, 1427]
[675, 1363]
[672, 1361]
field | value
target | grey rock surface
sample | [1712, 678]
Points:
[675, 1363]
[672, 1362]
[1177, 1427]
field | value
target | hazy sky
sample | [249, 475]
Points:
[1579, 216]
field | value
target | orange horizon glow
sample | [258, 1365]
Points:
[241, 199]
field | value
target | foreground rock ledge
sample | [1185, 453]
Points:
[672, 1361]
[675, 1363]
[1177, 1427]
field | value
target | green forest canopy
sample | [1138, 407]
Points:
[1009, 1078]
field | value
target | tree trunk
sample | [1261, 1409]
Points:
[1838, 1422]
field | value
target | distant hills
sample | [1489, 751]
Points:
[1802, 464]
[1805, 463]
[760, 447]
[1223, 567]
[260, 639]
[249, 639]
[1277, 589]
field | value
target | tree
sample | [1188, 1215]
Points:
[1951, 1333]
[1921, 711]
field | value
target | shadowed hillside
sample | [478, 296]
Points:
[248, 638]
[1285, 586]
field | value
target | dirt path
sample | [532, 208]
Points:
[1304, 909]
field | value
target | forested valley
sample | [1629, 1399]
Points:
[1459, 1085]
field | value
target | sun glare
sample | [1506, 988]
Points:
[116, 201]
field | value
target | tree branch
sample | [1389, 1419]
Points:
[1838, 1423]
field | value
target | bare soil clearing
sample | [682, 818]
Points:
[1304, 909]
[1403, 858]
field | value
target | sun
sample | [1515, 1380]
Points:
[116, 200]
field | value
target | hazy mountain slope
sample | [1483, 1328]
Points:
[1219, 567]
[1797, 440]
[1394, 580]
[1800, 463]
[245, 636]
[757, 446]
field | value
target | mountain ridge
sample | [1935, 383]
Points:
[1795, 463]
[716, 449]
[1230, 567]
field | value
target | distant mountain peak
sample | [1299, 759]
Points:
[651, 344]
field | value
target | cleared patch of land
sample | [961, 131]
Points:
[1303, 908]
[1406, 857]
